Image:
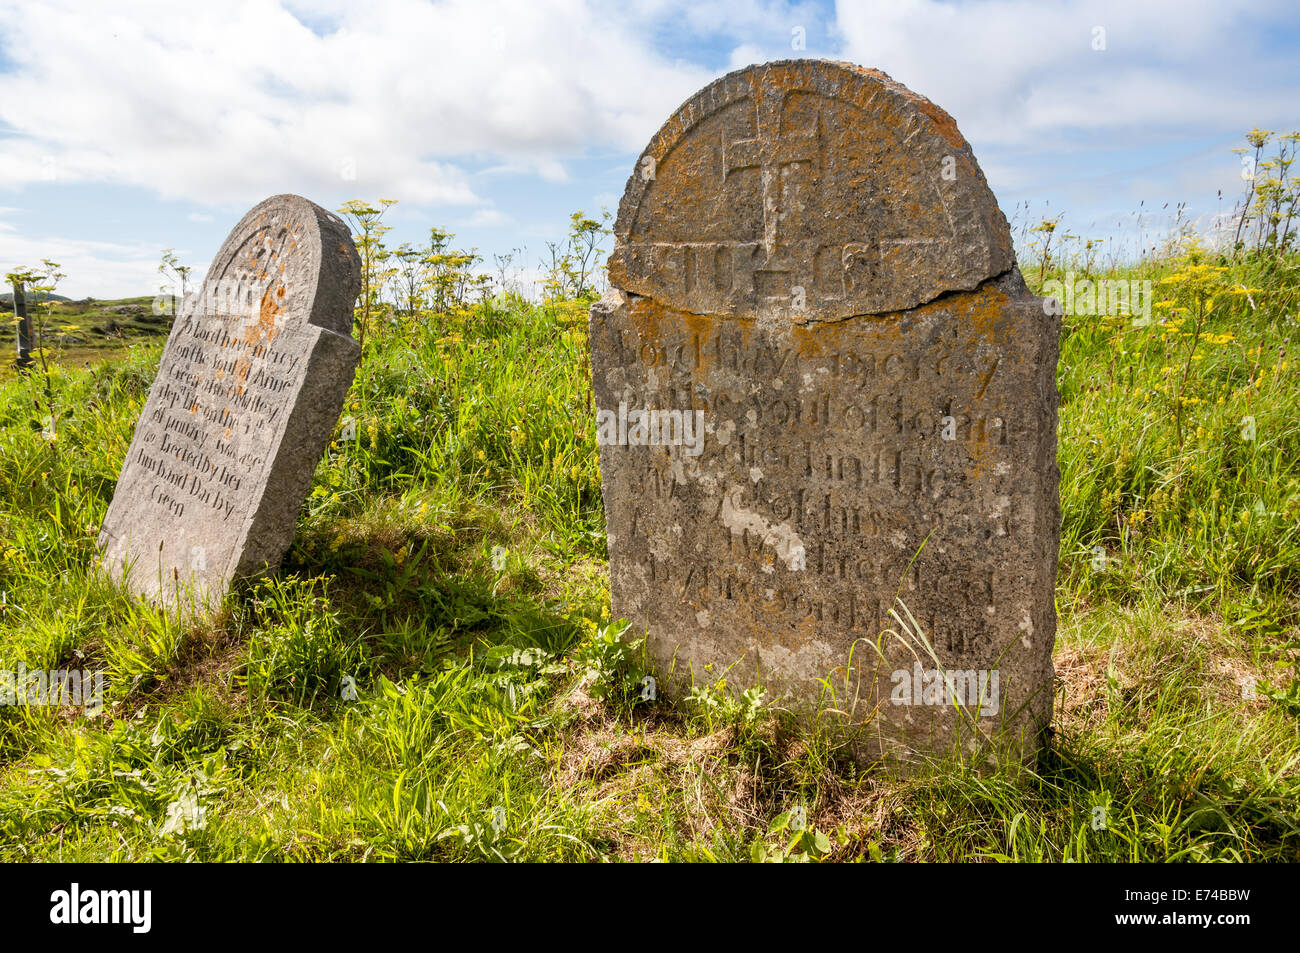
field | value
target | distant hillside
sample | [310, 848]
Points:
[8, 298]
[91, 329]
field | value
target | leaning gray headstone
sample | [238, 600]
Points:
[248, 391]
[826, 406]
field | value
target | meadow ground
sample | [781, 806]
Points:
[82, 333]
[450, 562]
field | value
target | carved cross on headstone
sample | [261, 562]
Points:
[771, 151]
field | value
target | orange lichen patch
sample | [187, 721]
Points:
[987, 313]
[944, 124]
[264, 330]
[260, 332]
[649, 324]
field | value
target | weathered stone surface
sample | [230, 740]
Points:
[249, 388]
[810, 264]
[807, 175]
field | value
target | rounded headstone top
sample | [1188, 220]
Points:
[811, 189]
[288, 262]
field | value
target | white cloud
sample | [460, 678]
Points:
[548, 170]
[1022, 73]
[488, 217]
[105, 269]
[746, 54]
[227, 104]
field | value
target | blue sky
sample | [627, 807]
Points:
[130, 127]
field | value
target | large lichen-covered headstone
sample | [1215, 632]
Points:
[827, 415]
[247, 393]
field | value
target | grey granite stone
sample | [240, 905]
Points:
[847, 489]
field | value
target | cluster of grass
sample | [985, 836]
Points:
[433, 674]
[1179, 449]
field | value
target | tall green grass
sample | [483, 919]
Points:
[433, 674]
